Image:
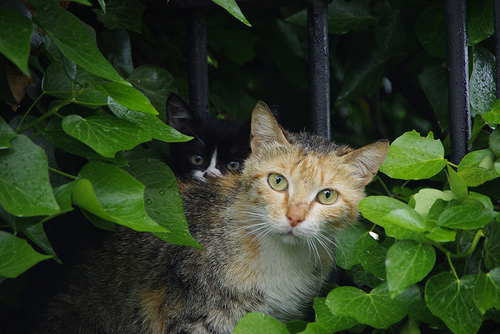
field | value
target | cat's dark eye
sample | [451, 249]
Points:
[277, 182]
[327, 196]
[233, 165]
[197, 159]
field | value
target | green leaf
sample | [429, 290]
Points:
[105, 134]
[492, 245]
[451, 299]
[478, 167]
[430, 27]
[154, 82]
[232, 8]
[112, 194]
[433, 81]
[56, 135]
[408, 262]
[375, 309]
[480, 23]
[129, 97]
[494, 142]
[16, 255]
[493, 116]
[149, 123]
[343, 16]
[24, 180]
[412, 157]
[352, 241]
[386, 211]
[487, 290]
[6, 134]
[325, 318]
[482, 84]
[70, 36]
[259, 323]
[36, 234]
[468, 215]
[457, 184]
[122, 14]
[82, 87]
[163, 201]
[15, 38]
[373, 260]
[425, 199]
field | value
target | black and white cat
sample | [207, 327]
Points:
[218, 146]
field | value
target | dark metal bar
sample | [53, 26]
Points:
[496, 14]
[319, 68]
[197, 59]
[458, 79]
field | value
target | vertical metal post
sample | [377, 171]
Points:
[197, 60]
[458, 78]
[496, 14]
[319, 69]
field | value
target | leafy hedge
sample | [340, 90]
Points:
[426, 255]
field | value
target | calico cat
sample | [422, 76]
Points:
[268, 236]
[218, 146]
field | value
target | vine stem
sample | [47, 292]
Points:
[384, 186]
[48, 114]
[28, 111]
[450, 255]
[69, 176]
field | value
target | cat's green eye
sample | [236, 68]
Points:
[327, 196]
[233, 165]
[277, 182]
[197, 159]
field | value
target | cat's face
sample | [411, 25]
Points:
[301, 187]
[217, 147]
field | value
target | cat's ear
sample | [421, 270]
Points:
[265, 129]
[178, 111]
[367, 160]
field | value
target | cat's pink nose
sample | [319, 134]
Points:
[295, 215]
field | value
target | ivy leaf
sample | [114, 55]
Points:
[494, 141]
[232, 8]
[149, 123]
[386, 211]
[105, 134]
[16, 255]
[430, 27]
[408, 262]
[373, 260]
[122, 14]
[154, 82]
[482, 80]
[412, 157]
[457, 184]
[259, 323]
[6, 134]
[487, 290]
[478, 167]
[70, 36]
[352, 241]
[56, 83]
[493, 116]
[375, 309]
[112, 194]
[492, 245]
[327, 322]
[163, 201]
[15, 38]
[480, 23]
[425, 199]
[128, 97]
[433, 81]
[451, 299]
[342, 17]
[24, 180]
[468, 215]
[36, 233]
